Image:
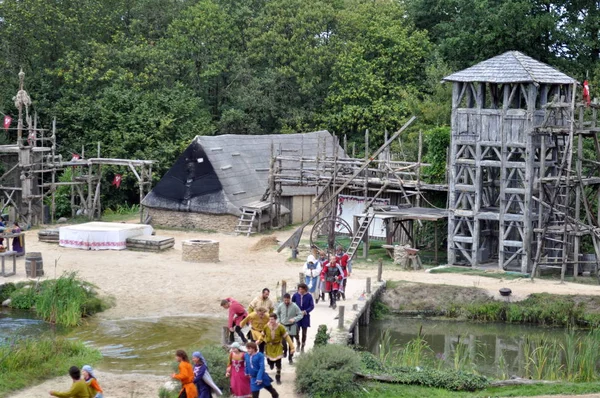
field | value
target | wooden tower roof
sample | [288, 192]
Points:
[511, 67]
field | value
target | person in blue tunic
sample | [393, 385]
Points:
[305, 301]
[200, 368]
[255, 369]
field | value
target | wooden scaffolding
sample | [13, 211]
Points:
[370, 177]
[31, 168]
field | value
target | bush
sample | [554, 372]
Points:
[448, 379]
[217, 359]
[23, 299]
[327, 371]
[6, 290]
[322, 337]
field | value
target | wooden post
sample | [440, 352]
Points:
[366, 237]
[353, 149]
[435, 242]
[345, 146]
[355, 334]
[283, 288]
[341, 317]
[354, 307]
[225, 335]
[301, 277]
[380, 269]
[369, 285]
[418, 170]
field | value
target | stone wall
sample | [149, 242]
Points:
[201, 221]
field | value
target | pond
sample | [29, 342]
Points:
[495, 350]
[144, 345]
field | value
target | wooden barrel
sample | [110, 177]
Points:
[34, 259]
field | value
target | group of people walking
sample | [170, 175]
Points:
[276, 332]
[328, 274]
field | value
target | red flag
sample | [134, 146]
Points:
[7, 121]
[586, 93]
[117, 180]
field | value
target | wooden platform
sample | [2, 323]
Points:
[48, 235]
[150, 243]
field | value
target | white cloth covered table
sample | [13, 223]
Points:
[100, 235]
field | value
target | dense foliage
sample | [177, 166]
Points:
[143, 77]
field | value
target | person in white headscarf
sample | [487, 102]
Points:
[312, 273]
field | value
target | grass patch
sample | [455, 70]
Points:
[475, 304]
[479, 272]
[381, 390]
[24, 362]
[63, 301]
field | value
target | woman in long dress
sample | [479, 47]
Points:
[240, 384]
[200, 369]
[17, 243]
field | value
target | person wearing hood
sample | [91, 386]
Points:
[312, 273]
[200, 369]
[236, 370]
[92, 382]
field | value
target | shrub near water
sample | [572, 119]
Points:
[62, 301]
[327, 371]
[25, 361]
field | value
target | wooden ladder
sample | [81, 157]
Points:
[246, 221]
[360, 234]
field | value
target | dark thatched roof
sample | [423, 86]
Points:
[220, 174]
[511, 67]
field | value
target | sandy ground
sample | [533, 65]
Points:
[160, 284]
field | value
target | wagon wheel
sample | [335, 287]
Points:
[330, 232]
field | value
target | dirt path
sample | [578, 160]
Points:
[160, 284]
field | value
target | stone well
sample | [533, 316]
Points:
[200, 251]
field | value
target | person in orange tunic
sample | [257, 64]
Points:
[185, 376]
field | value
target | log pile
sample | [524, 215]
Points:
[150, 243]
[48, 235]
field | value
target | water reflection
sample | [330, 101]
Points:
[142, 345]
[494, 348]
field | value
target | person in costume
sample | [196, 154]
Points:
[346, 263]
[304, 300]
[17, 243]
[258, 320]
[312, 274]
[185, 376]
[79, 389]
[254, 362]
[200, 369]
[236, 370]
[274, 336]
[332, 275]
[289, 314]
[92, 382]
[321, 260]
[236, 314]
[262, 301]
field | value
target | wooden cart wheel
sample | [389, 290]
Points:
[330, 232]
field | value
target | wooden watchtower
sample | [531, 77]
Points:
[496, 156]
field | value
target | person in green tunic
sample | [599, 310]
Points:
[79, 388]
[274, 336]
[289, 314]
